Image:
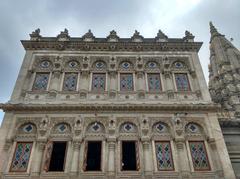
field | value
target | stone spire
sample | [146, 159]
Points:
[224, 68]
[213, 30]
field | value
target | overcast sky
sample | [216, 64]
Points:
[173, 17]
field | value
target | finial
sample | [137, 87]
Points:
[88, 36]
[35, 35]
[189, 37]
[63, 36]
[137, 37]
[161, 37]
[113, 37]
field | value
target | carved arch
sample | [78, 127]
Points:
[27, 127]
[99, 65]
[95, 127]
[128, 127]
[61, 127]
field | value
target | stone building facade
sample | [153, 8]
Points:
[224, 87]
[112, 108]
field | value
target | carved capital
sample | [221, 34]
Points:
[111, 145]
[76, 145]
[146, 145]
[179, 145]
[140, 74]
[85, 73]
[167, 74]
[112, 74]
[56, 74]
[41, 146]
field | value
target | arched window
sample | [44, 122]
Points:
[197, 147]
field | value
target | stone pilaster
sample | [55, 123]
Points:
[75, 158]
[215, 158]
[148, 167]
[38, 157]
[113, 83]
[55, 81]
[182, 159]
[140, 82]
[111, 158]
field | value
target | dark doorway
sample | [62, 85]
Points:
[129, 155]
[58, 156]
[94, 156]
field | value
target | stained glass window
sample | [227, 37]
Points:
[164, 156]
[21, 157]
[152, 65]
[154, 82]
[182, 82]
[126, 65]
[98, 81]
[126, 82]
[199, 155]
[45, 64]
[70, 82]
[41, 81]
[72, 64]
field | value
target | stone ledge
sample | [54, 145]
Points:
[108, 107]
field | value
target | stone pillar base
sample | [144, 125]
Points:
[73, 173]
[35, 174]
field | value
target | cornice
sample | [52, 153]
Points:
[108, 107]
[148, 45]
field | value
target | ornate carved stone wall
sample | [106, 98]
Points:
[147, 91]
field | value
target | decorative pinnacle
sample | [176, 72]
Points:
[213, 29]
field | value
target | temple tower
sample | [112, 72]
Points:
[224, 72]
[224, 87]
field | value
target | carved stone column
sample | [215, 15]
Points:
[37, 159]
[75, 158]
[85, 80]
[113, 84]
[140, 83]
[111, 158]
[183, 162]
[55, 81]
[147, 158]
[215, 158]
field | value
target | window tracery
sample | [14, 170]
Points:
[72, 64]
[70, 81]
[178, 65]
[182, 82]
[41, 81]
[193, 128]
[161, 127]
[151, 65]
[126, 82]
[95, 127]
[21, 157]
[154, 82]
[62, 128]
[199, 155]
[164, 155]
[44, 64]
[98, 81]
[128, 127]
[126, 66]
[28, 128]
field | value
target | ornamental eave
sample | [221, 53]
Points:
[108, 107]
[150, 45]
